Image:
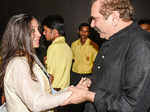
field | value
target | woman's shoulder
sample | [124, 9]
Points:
[18, 61]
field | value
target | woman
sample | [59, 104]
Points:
[26, 87]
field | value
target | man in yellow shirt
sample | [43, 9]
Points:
[59, 54]
[84, 53]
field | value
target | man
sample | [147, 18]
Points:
[59, 54]
[122, 67]
[84, 53]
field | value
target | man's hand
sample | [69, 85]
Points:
[79, 95]
[80, 92]
[84, 83]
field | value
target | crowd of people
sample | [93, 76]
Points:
[83, 77]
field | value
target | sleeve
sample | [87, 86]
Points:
[135, 80]
[95, 52]
[31, 93]
[94, 49]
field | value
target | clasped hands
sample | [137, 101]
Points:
[80, 92]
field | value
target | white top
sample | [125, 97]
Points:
[25, 95]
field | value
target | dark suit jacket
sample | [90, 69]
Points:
[122, 73]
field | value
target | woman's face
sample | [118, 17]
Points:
[35, 33]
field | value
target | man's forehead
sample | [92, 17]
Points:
[85, 28]
[95, 9]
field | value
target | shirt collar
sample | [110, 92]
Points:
[122, 32]
[86, 42]
[59, 39]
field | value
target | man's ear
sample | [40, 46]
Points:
[115, 18]
[56, 33]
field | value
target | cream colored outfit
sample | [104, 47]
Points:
[25, 95]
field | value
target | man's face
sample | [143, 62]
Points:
[84, 32]
[99, 23]
[48, 33]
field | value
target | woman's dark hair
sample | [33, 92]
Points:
[55, 22]
[16, 41]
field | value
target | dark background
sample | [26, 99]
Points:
[73, 11]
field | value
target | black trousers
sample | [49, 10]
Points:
[74, 79]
